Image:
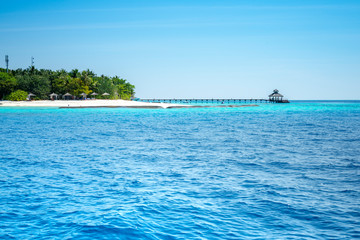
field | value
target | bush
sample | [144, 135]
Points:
[7, 84]
[18, 95]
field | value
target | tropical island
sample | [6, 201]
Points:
[16, 85]
[18, 88]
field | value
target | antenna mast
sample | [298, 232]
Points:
[7, 62]
[32, 61]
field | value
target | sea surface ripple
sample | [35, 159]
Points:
[277, 171]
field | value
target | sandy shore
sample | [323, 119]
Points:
[88, 104]
[106, 104]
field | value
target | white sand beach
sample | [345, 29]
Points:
[88, 104]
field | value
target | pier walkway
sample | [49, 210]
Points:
[205, 101]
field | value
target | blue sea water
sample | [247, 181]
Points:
[277, 171]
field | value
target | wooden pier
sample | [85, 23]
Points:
[275, 97]
[206, 101]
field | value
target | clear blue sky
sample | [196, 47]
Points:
[307, 49]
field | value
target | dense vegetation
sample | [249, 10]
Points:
[44, 82]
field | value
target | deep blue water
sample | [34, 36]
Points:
[278, 171]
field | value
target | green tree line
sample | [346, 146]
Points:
[43, 82]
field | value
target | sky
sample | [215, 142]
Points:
[308, 49]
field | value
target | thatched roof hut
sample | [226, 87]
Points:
[105, 95]
[30, 95]
[67, 96]
[275, 96]
[53, 96]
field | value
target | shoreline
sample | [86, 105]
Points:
[84, 103]
[100, 103]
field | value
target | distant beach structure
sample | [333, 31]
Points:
[67, 96]
[277, 97]
[54, 96]
[29, 96]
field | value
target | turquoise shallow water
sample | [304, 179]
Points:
[277, 171]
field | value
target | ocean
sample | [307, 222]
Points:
[276, 171]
